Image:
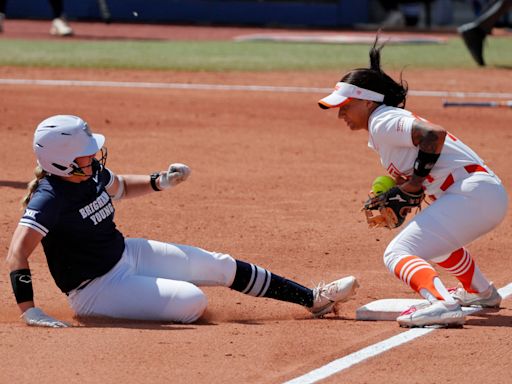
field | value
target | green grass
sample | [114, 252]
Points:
[240, 56]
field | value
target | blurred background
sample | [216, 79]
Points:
[360, 14]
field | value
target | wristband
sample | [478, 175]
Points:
[153, 178]
[21, 281]
[424, 163]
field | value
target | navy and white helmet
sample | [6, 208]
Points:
[60, 139]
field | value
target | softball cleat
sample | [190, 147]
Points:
[439, 313]
[326, 296]
[474, 38]
[60, 28]
[490, 298]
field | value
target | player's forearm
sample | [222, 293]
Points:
[16, 261]
[413, 185]
[429, 139]
[136, 185]
[21, 280]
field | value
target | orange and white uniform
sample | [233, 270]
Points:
[467, 201]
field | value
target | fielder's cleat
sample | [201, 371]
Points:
[474, 39]
[439, 313]
[490, 298]
[326, 296]
[60, 28]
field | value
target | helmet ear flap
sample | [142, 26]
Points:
[60, 167]
[66, 170]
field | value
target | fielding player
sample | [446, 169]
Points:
[467, 198]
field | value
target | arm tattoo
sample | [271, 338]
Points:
[429, 138]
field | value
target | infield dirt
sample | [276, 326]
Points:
[276, 181]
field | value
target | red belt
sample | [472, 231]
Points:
[471, 168]
[447, 183]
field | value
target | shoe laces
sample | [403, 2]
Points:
[319, 292]
[326, 291]
[460, 291]
[452, 290]
[322, 297]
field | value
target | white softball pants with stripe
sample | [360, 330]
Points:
[470, 208]
[155, 281]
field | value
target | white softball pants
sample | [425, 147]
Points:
[470, 208]
[155, 281]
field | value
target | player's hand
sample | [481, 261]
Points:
[177, 173]
[36, 317]
[393, 206]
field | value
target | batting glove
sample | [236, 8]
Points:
[176, 174]
[36, 317]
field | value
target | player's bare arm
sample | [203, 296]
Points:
[127, 186]
[23, 243]
[429, 138]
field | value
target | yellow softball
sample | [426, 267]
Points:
[382, 184]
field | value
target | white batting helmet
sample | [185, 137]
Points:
[60, 139]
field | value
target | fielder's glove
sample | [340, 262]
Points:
[35, 316]
[177, 173]
[392, 206]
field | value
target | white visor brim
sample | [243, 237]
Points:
[95, 144]
[345, 91]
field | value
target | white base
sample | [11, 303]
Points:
[390, 309]
[385, 309]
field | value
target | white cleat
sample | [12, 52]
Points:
[490, 298]
[439, 313]
[60, 28]
[326, 296]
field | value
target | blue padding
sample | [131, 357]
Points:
[264, 13]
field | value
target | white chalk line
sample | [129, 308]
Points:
[338, 365]
[223, 87]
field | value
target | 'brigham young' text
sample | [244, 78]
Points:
[99, 209]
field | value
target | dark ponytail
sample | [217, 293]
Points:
[375, 55]
[375, 79]
[39, 174]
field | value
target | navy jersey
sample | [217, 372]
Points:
[80, 240]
